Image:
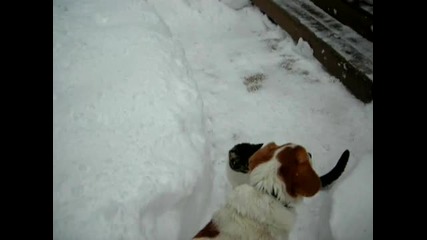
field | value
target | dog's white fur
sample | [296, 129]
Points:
[252, 214]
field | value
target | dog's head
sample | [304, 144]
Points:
[284, 171]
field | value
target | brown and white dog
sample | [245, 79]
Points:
[279, 177]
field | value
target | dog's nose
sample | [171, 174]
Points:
[309, 154]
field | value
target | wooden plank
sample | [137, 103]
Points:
[338, 56]
[358, 19]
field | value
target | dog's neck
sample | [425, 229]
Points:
[286, 204]
[264, 178]
[267, 213]
[284, 199]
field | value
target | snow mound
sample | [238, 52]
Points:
[129, 144]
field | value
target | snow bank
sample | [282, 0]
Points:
[130, 157]
[352, 209]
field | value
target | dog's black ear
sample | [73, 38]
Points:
[254, 147]
[258, 146]
[249, 150]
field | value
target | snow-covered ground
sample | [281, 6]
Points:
[149, 96]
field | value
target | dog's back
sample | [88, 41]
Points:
[249, 214]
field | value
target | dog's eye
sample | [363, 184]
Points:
[309, 154]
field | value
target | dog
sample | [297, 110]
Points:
[264, 209]
[238, 165]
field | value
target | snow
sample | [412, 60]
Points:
[354, 220]
[236, 4]
[130, 149]
[149, 96]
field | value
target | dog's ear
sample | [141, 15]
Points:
[307, 182]
[262, 155]
[258, 145]
[252, 149]
[297, 173]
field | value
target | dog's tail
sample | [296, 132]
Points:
[336, 172]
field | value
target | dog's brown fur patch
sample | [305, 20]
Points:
[262, 155]
[209, 231]
[297, 172]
